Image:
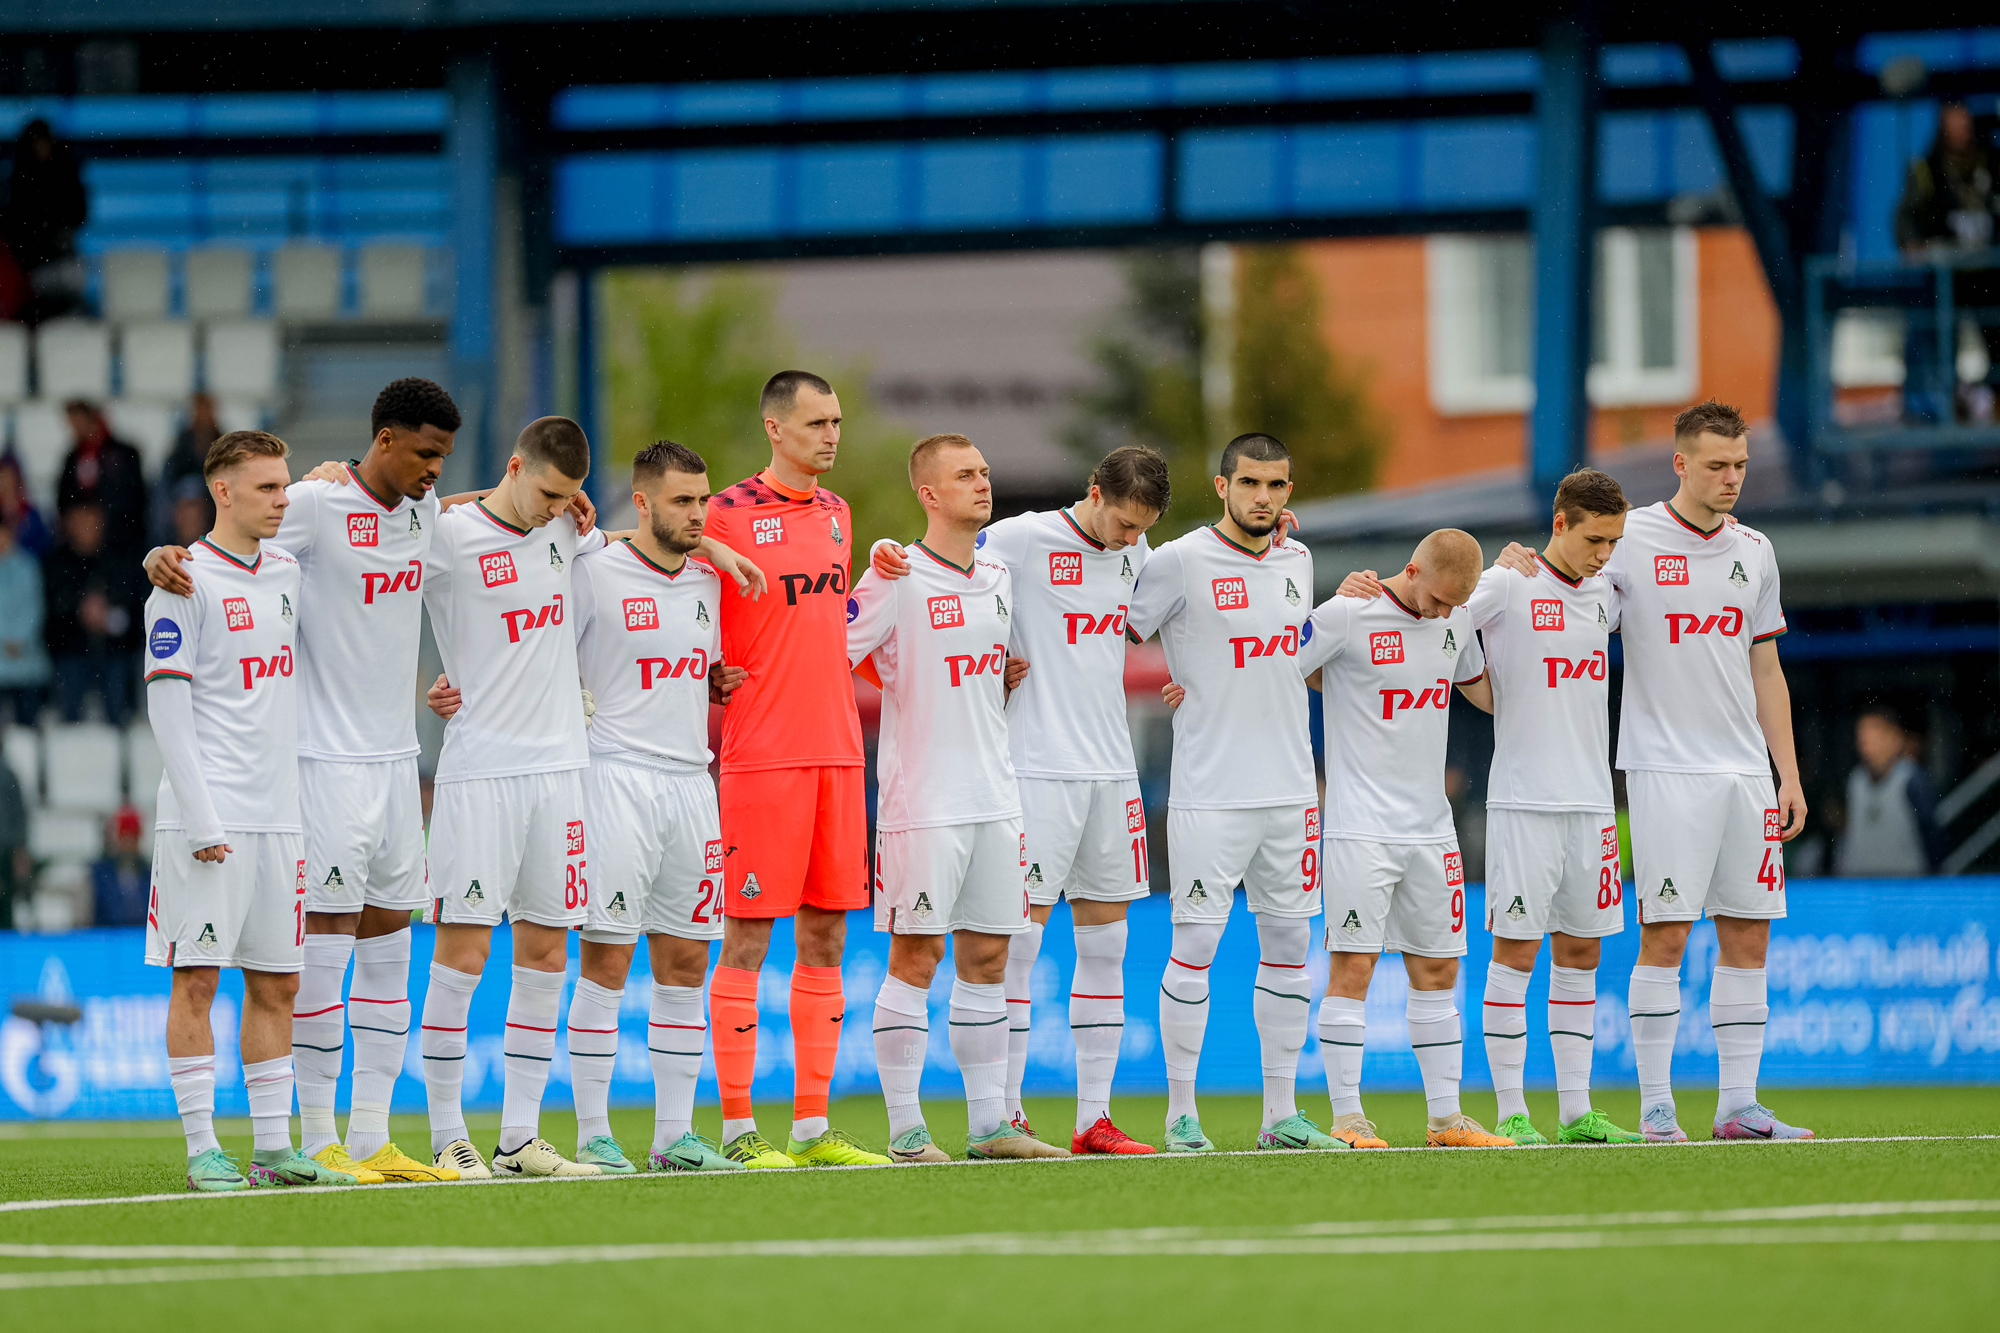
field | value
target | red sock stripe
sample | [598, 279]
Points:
[573, 1028]
[1192, 967]
[1020, 1001]
[362, 999]
[525, 1027]
[1585, 1002]
[681, 1027]
[317, 1012]
[1296, 967]
[1074, 996]
[1495, 1004]
[428, 1028]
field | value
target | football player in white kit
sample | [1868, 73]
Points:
[649, 648]
[229, 887]
[507, 824]
[1074, 570]
[1228, 601]
[1395, 880]
[950, 855]
[361, 540]
[1706, 714]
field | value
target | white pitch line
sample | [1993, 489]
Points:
[188, 1196]
[1084, 1245]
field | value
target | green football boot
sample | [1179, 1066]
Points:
[1518, 1128]
[1185, 1135]
[691, 1152]
[1593, 1126]
[914, 1145]
[288, 1166]
[1297, 1133]
[834, 1148]
[604, 1153]
[214, 1170]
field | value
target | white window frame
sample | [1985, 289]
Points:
[1454, 289]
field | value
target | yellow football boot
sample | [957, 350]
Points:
[334, 1158]
[389, 1163]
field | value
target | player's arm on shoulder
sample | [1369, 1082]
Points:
[1774, 719]
[888, 558]
[164, 570]
[1364, 584]
[1514, 556]
[750, 580]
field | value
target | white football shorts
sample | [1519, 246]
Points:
[513, 845]
[929, 881]
[1403, 897]
[364, 835]
[1085, 839]
[1272, 851]
[1705, 842]
[248, 912]
[656, 863]
[1552, 870]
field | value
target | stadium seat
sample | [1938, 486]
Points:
[85, 767]
[240, 359]
[142, 761]
[65, 835]
[147, 423]
[73, 359]
[392, 281]
[23, 748]
[134, 284]
[41, 439]
[156, 359]
[306, 282]
[13, 362]
[217, 283]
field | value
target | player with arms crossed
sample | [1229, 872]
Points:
[650, 652]
[1706, 713]
[361, 549]
[792, 794]
[1228, 601]
[1395, 880]
[507, 825]
[950, 854]
[229, 886]
[1074, 570]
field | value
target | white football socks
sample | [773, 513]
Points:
[319, 1026]
[378, 1016]
[1281, 1003]
[445, 1006]
[676, 1034]
[269, 1085]
[1737, 1009]
[902, 1033]
[528, 1049]
[593, 1050]
[1436, 1038]
[1096, 1017]
[1504, 1021]
[1022, 951]
[979, 1043]
[193, 1077]
[1184, 1010]
[1343, 1026]
[1572, 1034]
[1655, 1001]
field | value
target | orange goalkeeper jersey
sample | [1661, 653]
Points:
[796, 708]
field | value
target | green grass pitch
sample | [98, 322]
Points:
[1876, 1234]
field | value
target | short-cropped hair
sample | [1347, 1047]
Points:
[928, 448]
[554, 442]
[781, 391]
[1587, 491]
[1255, 446]
[1133, 475]
[413, 403]
[1710, 418]
[239, 446]
[659, 458]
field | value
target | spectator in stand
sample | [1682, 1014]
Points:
[94, 596]
[17, 867]
[104, 471]
[24, 658]
[121, 879]
[46, 204]
[1946, 210]
[192, 514]
[183, 464]
[1892, 828]
[17, 511]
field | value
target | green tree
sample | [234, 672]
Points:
[685, 359]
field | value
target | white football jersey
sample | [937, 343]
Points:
[232, 641]
[361, 570]
[1230, 621]
[938, 639]
[1691, 606]
[1386, 708]
[499, 598]
[645, 640]
[1071, 597]
[1545, 640]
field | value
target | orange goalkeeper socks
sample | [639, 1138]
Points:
[732, 1025]
[817, 1008]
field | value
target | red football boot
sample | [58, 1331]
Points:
[1105, 1137]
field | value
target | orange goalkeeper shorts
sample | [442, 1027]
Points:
[792, 836]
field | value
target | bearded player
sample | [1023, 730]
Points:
[1074, 570]
[1705, 718]
[1228, 601]
[950, 856]
[793, 802]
